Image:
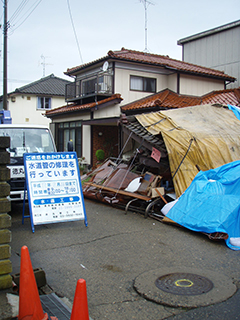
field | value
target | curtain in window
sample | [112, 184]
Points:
[136, 83]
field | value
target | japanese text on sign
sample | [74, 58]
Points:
[54, 187]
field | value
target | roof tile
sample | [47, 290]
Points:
[82, 107]
[168, 99]
[157, 60]
[49, 85]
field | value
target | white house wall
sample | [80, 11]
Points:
[122, 83]
[191, 85]
[198, 86]
[172, 82]
[24, 110]
[108, 112]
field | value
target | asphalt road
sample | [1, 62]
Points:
[113, 251]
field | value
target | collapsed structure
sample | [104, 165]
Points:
[172, 146]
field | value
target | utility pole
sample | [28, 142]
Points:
[5, 28]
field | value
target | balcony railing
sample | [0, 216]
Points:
[95, 85]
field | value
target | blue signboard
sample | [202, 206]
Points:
[54, 188]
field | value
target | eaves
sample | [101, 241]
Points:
[209, 32]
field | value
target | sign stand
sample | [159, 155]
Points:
[24, 203]
[54, 188]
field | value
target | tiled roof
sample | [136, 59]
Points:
[49, 85]
[82, 107]
[167, 99]
[224, 97]
[156, 60]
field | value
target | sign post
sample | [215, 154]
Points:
[54, 188]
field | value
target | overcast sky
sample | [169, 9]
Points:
[51, 29]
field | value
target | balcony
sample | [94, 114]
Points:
[98, 86]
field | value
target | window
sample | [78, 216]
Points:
[142, 84]
[44, 103]
[70, 131]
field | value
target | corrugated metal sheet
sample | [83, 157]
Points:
[219, 50]
[202, 137]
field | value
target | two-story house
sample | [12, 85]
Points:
[27, 104]
[101, 87]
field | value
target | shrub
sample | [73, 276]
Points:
[100, 155]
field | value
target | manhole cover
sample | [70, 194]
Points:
[179, 286]
[184, 283]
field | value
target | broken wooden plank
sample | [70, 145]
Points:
[122, 192]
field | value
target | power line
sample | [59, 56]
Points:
[19, 10]
[69, 9]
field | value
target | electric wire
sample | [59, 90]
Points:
[36, 4]
[19, 10]
[69, 9]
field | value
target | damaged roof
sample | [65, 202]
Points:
[115, 98]
[136, 131]
[200, 137]
[154, 60]
[168, 99]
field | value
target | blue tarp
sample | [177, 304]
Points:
[235, 110]
[212, 203]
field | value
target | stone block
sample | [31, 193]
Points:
[5, 205]
[5, 219]
[4, 157]
[4, 142]
[5, 282]
[4, 173]
[5, 236]
[4, 189]
[39, 274]
[5, 267]
[5, 251]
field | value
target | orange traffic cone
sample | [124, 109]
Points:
[80, 304]
[30, 307]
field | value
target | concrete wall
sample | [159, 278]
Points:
[5, 218]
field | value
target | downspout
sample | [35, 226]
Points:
[91, 148]
[178, 83]
[225, 84]
[113, 78]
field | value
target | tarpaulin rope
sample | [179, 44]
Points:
[191, 141]
[124, 146]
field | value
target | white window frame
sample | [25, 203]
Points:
[42, 102]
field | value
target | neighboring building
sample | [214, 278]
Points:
[102, 86]
[28, 103]
[217, 48]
